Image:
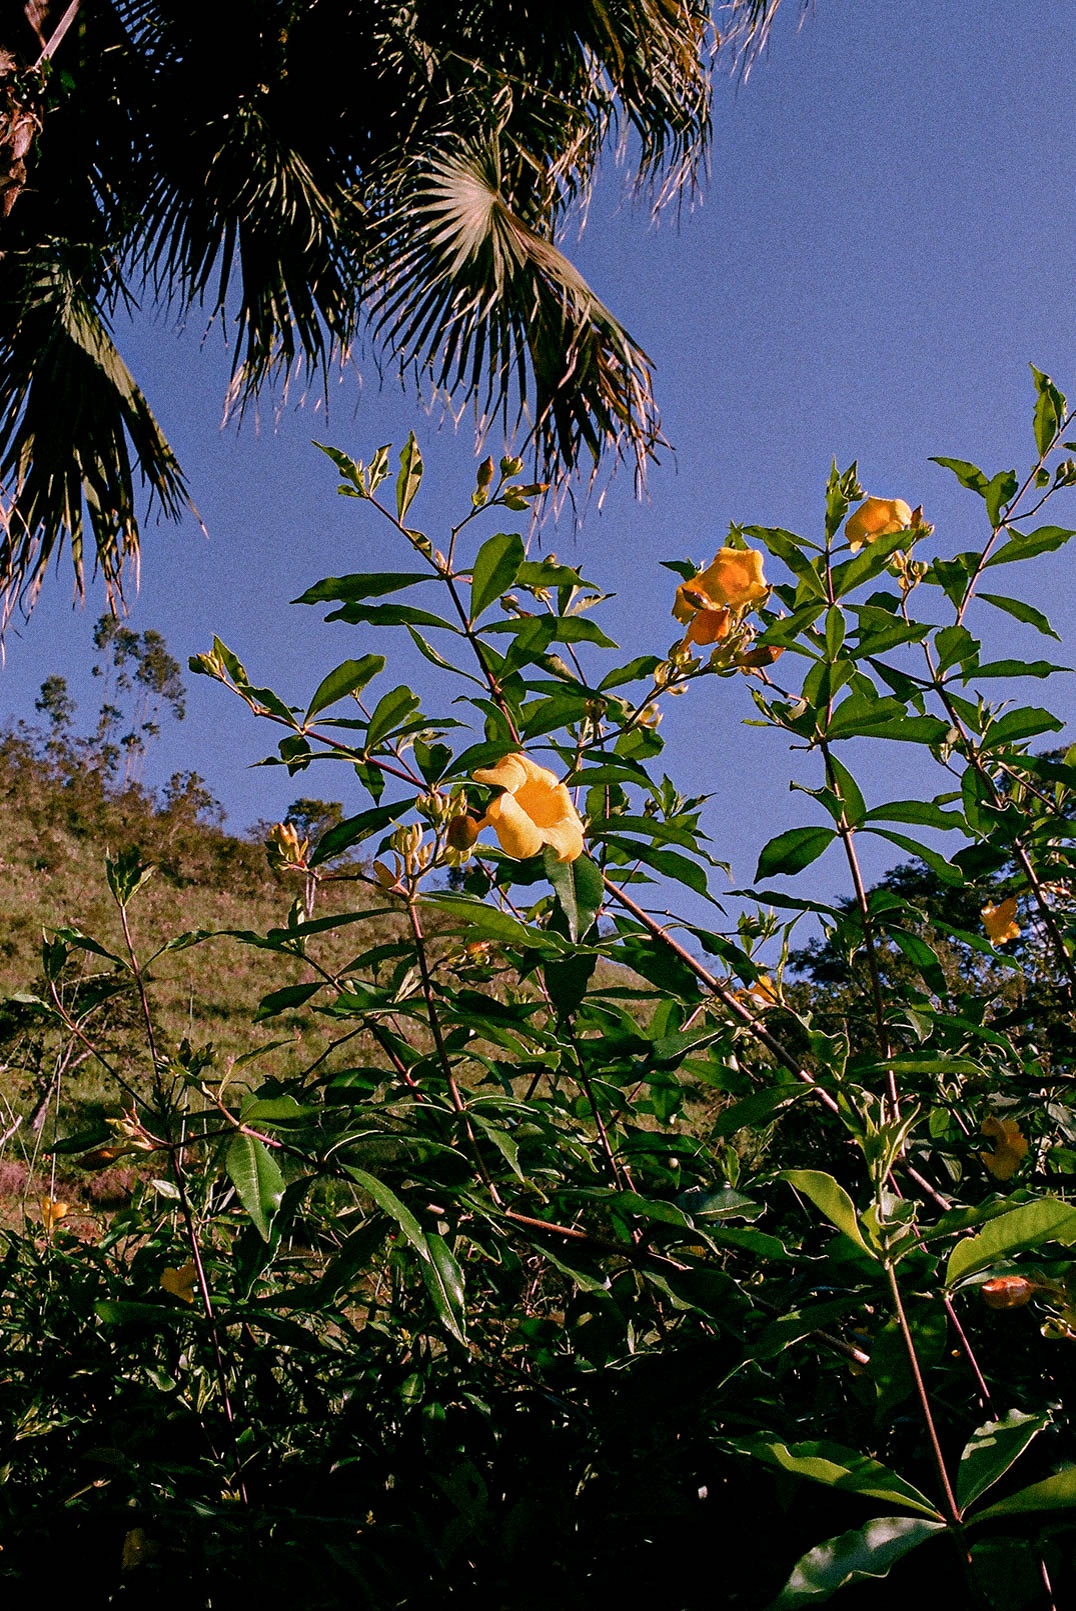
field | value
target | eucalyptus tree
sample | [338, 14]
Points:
[306, 174]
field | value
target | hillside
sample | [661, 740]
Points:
[59, 819]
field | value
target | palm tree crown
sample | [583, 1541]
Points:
[306, 170]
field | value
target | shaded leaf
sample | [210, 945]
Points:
[869, 1551]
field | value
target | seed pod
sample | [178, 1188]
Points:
[462, 833]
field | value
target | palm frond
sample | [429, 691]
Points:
[479, 304]
[71, 418]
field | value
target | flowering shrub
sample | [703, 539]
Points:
[582, 1244]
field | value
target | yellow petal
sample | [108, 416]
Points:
[52, 1212]
[708, 626]
[511, 773]
[734, 577]
[1000, 921]
[566, 837]
[180, 1283]
[876, 517]
[683, 606]
[1010, 1148]
[518, 836]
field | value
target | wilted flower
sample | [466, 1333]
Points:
[1007, 1291]
[1000, 921]
[877, 517]
[181, 1283]
[732, 583]
[764, 655]
[99, 1157]
[533, 810]
[52, 1212]
[1009, 1150]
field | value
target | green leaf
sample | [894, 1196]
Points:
[496, 567]
[82, 942]
[869, 1551]
[969, 475]
[348, 678]
[444, 1282]
[390, 712]
[991, 1450]
[387, 1200]
[1022, 612]
[860, 714]
[998, 492]
[256, 1176]
[410, 477]
[954, 645]
[126, 1312]
[389, 615]
[922, 812]
[798, 1323]
[126, 873]
[947, 871]
[854, 804]
[353, 830]
[1053, 1493]
[490, 923]
[1047, 1220]
[578, 888]
[1014, 668]
[837, 1467]
[870, 563]
[922, 957]
[286, 999]
[752, 1110]
[1043, 540]
[1026, 722]
[826, 1194]
[353, 589]
[1050, 408]
[351, 472]
[790, 852]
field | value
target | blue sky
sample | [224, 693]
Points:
[885, 242]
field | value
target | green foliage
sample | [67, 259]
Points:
[579, 1246]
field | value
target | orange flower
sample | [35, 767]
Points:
[52, 1212]
[1007, 1292]
[761, 995]
[733, 582]
[877, 517]
[532, 810]
[1010, 1147]
[1000, 921]
[181, 1283]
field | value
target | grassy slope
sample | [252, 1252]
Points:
[57, 823]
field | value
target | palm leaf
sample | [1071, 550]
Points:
[484, 307]
[71, 417]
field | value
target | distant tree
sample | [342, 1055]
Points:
[310, 171]
[312, 818]
[136, 667]
[56, 705]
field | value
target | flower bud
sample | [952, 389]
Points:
[511, 466]
[284, 848]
